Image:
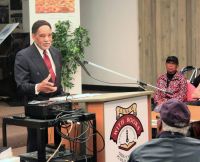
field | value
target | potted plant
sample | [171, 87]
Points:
[72, 45]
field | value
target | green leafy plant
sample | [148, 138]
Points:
[72, 45]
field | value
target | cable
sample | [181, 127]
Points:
[114, 83]
[55, 151]
[100, 136]
[82, 64]
[79, 137]
[68, 133]
[75, 139]
[109, 82]
[68, 114]
[60, 143]
[74, 144]
[85, 158]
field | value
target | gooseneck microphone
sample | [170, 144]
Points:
[145, 84]
[84, 62]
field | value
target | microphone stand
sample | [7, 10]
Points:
[119, 74]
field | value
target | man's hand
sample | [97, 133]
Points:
[45, 86]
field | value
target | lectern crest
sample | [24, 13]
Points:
[127, 127]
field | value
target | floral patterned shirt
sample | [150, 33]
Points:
[177, 86]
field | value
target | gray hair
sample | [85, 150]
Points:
[183, 130]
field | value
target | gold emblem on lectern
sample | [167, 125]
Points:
[127, 127]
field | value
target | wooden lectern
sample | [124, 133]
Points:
[124, 121]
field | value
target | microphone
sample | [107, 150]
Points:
[82, 64]
[145, 84]
[169, 92]
[117, 73]
[142, 83]
[109, 70]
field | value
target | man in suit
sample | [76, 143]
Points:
[38, 71]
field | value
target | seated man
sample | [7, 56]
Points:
[172, 81]
[172, 144]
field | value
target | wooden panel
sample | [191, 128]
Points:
[189, 32]
[181, 33]
[194, 110]
[168, 27]
[165, 32]
[173, 19]
[98, 109]
[147, 37]
[149, 117]
[51, 135]
[158, 39]
[195, 28]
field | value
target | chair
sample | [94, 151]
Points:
[194, 72]
[195, 129]
[191, 73]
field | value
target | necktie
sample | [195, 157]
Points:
[49, 66]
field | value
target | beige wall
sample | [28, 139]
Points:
[113, 28]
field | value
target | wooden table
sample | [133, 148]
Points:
[195, 115]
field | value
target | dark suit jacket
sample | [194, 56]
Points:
[30, 69]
